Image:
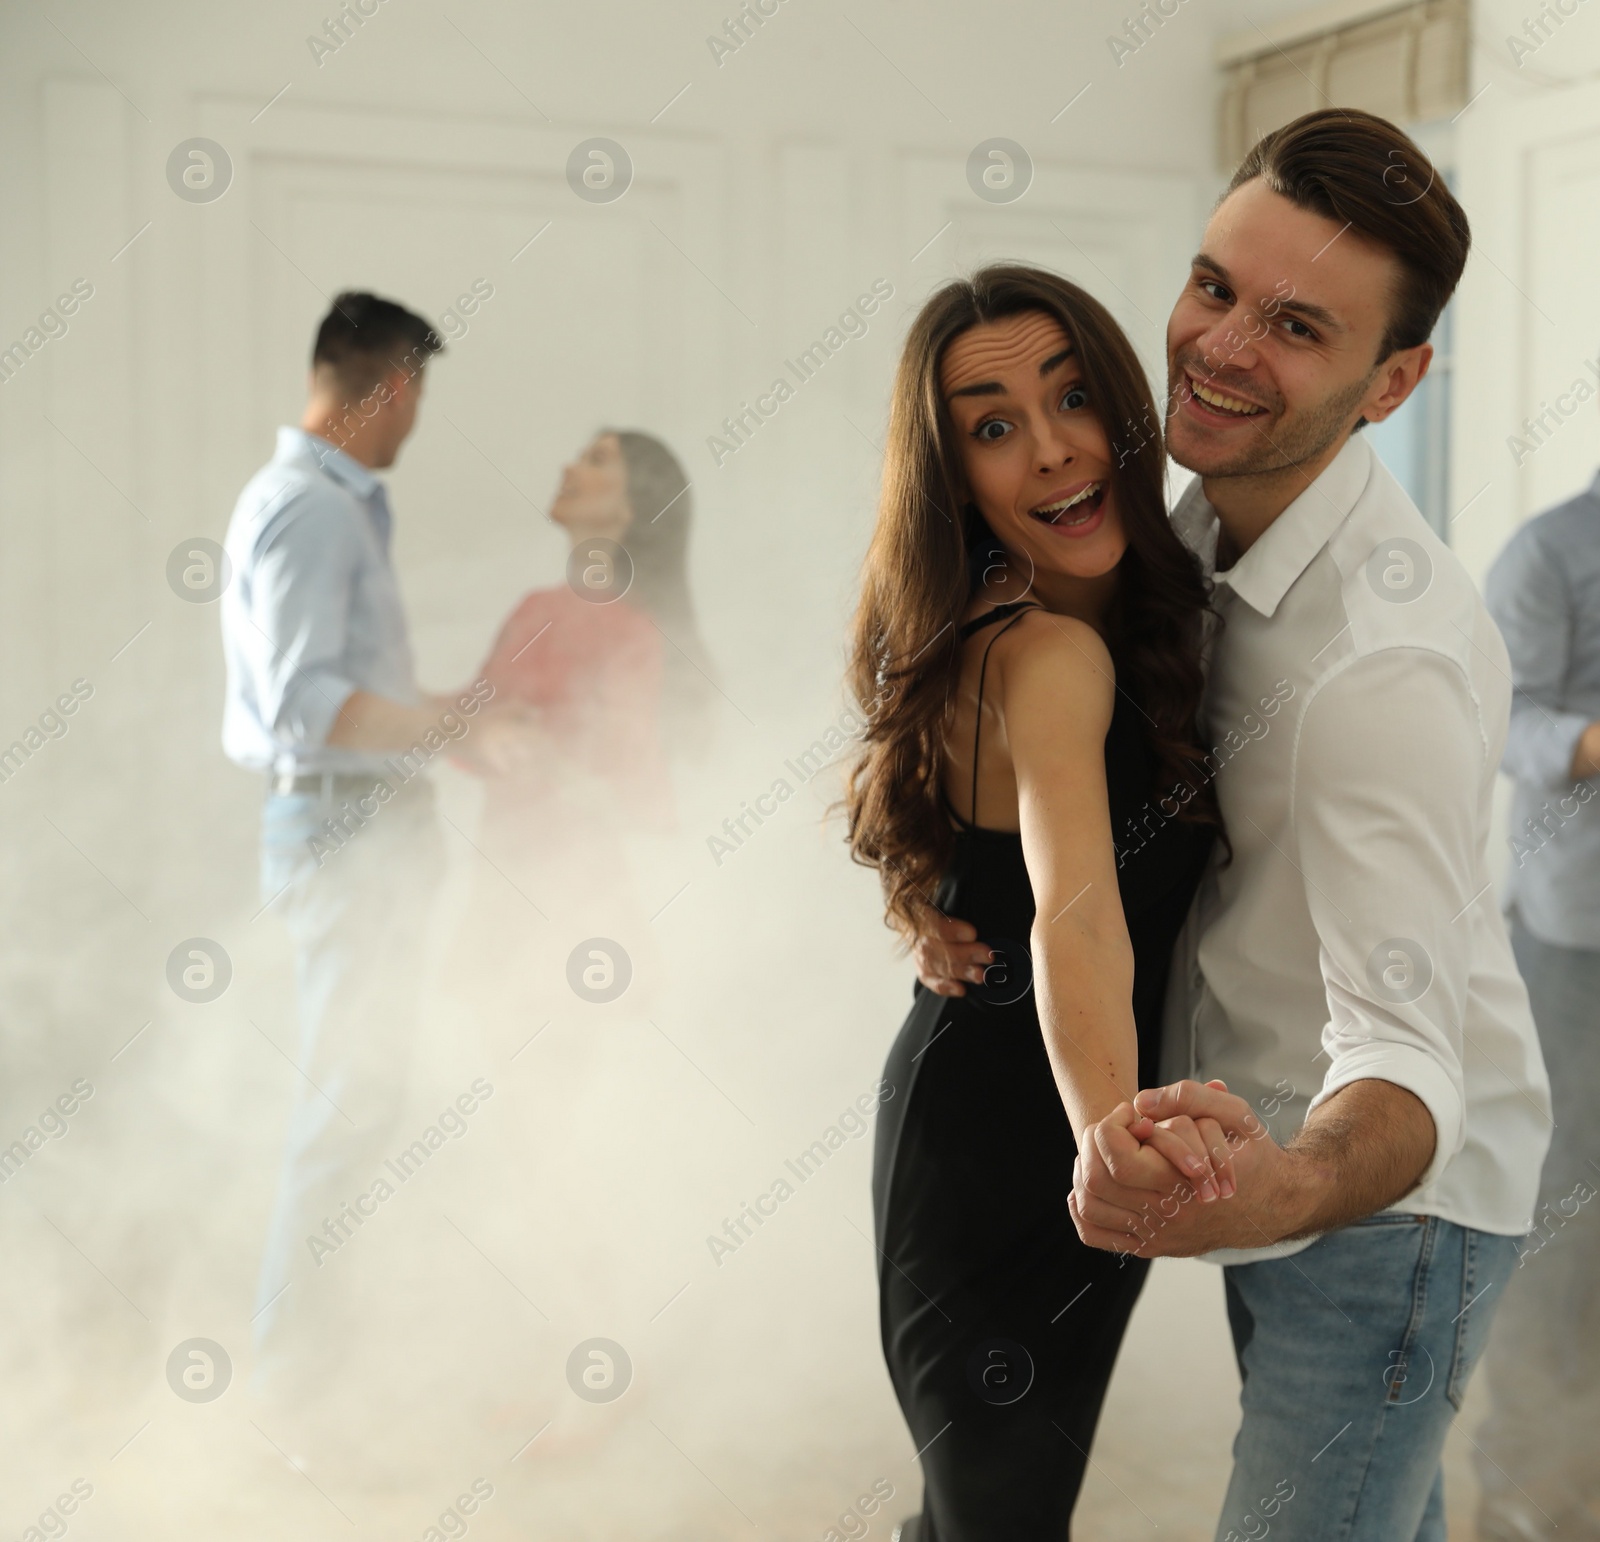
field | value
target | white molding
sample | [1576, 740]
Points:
[649, 342]
[1125, 236]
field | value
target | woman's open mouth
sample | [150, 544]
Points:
[1076, 515]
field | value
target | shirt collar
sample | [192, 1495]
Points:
[1285, 549]
[297, 444]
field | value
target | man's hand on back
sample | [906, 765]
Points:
[947, 952]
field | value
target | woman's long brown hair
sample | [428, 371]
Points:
[918, 579]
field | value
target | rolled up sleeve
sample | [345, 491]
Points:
[1531, 602]
[1390, 865]
[300, 608]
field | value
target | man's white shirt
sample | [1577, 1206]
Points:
[1357, 700]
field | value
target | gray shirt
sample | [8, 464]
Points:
[313, 611]
[1544, 593]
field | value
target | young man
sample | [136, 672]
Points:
[322, 699]
[1347, 973]
[1537, 1459]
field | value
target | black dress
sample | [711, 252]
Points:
[999, 1326]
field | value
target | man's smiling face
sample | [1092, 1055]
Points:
[1272, 348]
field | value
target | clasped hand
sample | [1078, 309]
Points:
[1181, 1170]
[506, 741]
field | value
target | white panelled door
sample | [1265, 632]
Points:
[1527, 407]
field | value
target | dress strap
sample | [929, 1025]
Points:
[1011, 613]
[999, 613]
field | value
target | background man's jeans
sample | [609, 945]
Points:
[359, 923]
[1355, 1354]
[1538, 1462]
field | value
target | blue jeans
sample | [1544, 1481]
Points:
[1536, 1453]
[1355, 1355]
[358, 917]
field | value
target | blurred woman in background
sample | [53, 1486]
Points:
[611, 660]
[612, 670]
[609, 666]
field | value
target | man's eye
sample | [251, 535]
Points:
[1305, 331]
[1214, 289]
[1075, 398]
[999, 426]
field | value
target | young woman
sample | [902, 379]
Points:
[617, 686]
[606, 672]
[1027, 649]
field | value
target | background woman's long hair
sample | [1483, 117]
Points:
[917, 581]
[658, 542]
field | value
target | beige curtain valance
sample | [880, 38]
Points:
[1405, 61]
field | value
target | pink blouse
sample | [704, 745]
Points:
[594, 672]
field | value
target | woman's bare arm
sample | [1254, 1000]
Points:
[1057, 691]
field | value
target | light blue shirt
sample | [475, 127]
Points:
[1544, 593]
[313, 611]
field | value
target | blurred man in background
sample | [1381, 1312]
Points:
[1537, 1459]
[322, 698]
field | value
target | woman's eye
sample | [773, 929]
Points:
[999, 426]
[1075, 399]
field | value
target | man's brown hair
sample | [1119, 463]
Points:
[363, 339]
[1364, 173]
